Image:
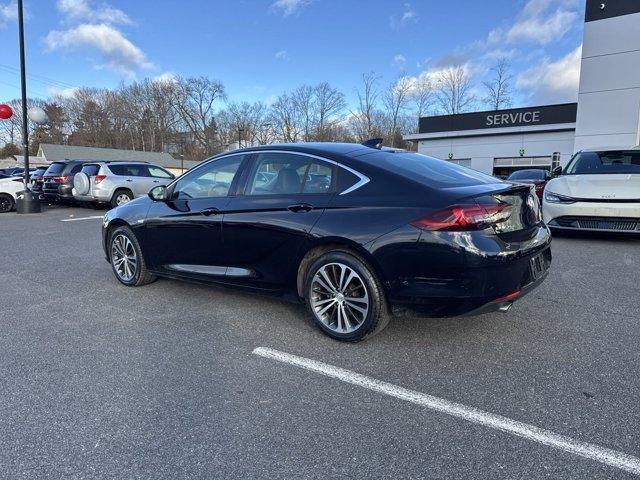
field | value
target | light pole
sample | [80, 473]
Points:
[266, 127]
[240, 130]
[26, 202]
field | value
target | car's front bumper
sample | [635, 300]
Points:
[616, 217]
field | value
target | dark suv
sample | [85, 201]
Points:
[58, 180]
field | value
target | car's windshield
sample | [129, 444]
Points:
[428, 170]
[532, 174]
[591, 163]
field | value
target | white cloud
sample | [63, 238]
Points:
[289, 7]
[8, 12]
[540, 21]
[117, 51]
[282, 55]
[80, 10]
[62, 92]
[401, 19]
[399, 60]
[553, 81]
[166, 77]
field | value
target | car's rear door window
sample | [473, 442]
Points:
[319, 178]
[283, 173]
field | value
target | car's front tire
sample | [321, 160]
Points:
[345, 297]
[6, 203]
[127, 261]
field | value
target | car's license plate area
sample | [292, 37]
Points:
[538, 265]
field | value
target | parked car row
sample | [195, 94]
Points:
[86, 182]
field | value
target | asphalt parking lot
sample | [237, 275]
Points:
[100, 380]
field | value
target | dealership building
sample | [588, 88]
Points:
[606, 115]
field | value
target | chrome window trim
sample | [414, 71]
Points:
[363, 179]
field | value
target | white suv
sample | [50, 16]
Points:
[117, 183]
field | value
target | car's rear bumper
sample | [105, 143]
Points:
[615, 217]
[461, 273]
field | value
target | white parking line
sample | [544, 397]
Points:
[603, 455]
[81, 218]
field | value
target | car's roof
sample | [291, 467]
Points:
[350, 149]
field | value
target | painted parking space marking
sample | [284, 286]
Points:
[81, 218]
[590, 451]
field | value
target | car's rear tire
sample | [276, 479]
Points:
[120, 197]
[127, 261]
[345, 297]
[6, 203]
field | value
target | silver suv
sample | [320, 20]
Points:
[117, 183]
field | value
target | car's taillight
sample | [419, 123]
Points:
[19, 180]
[539, 187]
[98, 178]
[464, 217]
[61, 179]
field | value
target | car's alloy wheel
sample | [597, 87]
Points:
[122, 198]
[339, 298]
[345, 296]
[123, 257]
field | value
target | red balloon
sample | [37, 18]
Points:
[5, 112]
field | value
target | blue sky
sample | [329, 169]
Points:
[260, 49]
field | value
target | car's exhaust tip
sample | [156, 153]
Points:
[505, 307]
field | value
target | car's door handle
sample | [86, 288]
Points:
[156, 181]
[128, 180]
[209, 211]
[300, 207]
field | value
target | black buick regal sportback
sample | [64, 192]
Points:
[355, 232]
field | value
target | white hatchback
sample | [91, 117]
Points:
[597, 191]
[9, 187]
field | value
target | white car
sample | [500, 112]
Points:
[9, 187]
[597, 191]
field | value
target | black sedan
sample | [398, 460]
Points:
[355, 232]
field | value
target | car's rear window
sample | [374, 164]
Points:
[55, 168]
[90, 170]
[592, 163]
[527, 175]
[428, 170]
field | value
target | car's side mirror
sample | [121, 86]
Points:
[557, 171]
[158, 194]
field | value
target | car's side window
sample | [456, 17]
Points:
[278, 174]
[319, 178]
[211, 180]
[281, 173]
[75, 169]
[136, 170]
[159, 172]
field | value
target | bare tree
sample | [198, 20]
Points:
[454, 90]
[395, 102]
[423, 95]
[329, 103]
[499, 87]
[195, 99]
[304, 102]
[285, 118]
[364, 118]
